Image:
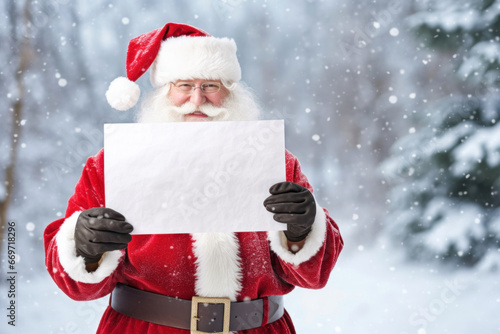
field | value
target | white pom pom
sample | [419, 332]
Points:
[123, 94]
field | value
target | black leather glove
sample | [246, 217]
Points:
[100, 230]
[293, 205]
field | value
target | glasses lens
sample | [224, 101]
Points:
[185, 86]
[210, 87]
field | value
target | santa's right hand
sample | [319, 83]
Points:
[100, 230]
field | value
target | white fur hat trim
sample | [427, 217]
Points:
[186, 57]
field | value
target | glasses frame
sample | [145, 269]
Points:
[193, 87]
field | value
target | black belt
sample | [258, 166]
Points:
[200, 315]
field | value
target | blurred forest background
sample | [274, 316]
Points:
[391, 106]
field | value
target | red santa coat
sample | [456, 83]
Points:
[250, 265]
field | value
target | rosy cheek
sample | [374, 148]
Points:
[177, 102]
[218, 100]
[177, 99]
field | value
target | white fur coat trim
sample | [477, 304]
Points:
[218, 265]
[314, 241]
[74, 265]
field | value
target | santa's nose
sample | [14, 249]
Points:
[197, 97]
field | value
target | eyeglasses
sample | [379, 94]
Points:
[188, 87]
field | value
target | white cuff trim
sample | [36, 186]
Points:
[74, 265]
[314, 241]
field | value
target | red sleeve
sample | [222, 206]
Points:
[311, 266]
[68, 270]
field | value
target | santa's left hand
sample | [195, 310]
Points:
[293, 205]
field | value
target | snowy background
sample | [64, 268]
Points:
[391, 107]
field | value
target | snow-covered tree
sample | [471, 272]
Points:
[446, 204]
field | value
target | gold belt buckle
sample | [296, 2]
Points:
[209, 300]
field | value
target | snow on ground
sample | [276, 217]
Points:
[370, 291]
[43, 309]
[373, 291]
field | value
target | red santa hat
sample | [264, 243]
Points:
[174, 52]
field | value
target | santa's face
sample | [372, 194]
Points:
[197, 105]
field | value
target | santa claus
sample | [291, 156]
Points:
[206, 282]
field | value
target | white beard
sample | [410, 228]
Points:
[239, 105]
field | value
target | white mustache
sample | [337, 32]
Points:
[207, 108]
